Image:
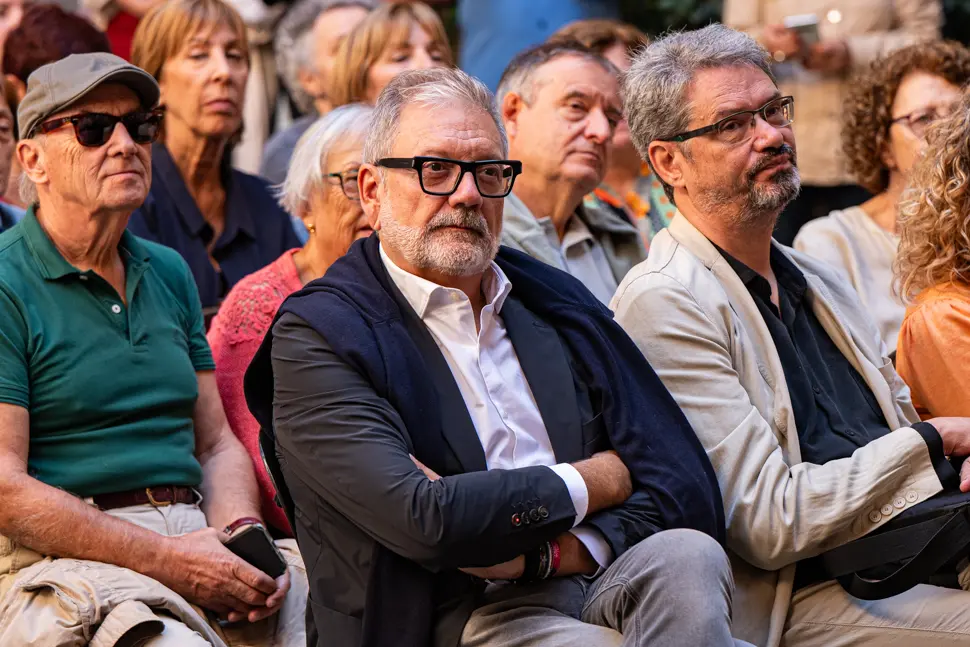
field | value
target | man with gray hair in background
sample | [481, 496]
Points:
[773, 359]
[306, 43]
[479, 454]
[560, 103]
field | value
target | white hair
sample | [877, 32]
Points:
[309, 162]
[431, 88]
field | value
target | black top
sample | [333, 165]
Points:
[835, 411]
[257, 230]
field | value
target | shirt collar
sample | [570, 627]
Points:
[786, 273]
[53, 265]
[238, 216]
[425, 296]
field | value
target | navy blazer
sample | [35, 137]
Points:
[257, 230]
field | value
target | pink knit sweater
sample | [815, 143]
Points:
[235, 335]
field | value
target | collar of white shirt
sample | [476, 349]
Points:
[425, 296]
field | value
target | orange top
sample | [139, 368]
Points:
[933, 351]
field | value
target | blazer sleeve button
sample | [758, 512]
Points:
[516, 520]
[543, 512]
[534, 514]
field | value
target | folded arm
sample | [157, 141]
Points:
[351, 448]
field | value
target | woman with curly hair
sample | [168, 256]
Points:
[885, 118]
[933, 272]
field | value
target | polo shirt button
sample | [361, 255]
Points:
[116, 309]
[886, 509]
[874, 516]
[899, 502]
[83, 277]
[912, 496]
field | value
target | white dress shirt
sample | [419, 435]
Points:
[583, 256]
[493, 385]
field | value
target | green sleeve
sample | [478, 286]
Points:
[14, 372]
[199, 351]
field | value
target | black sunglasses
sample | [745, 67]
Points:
[93, 129]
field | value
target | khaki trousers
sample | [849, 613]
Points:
[75, 603]
[824, 615]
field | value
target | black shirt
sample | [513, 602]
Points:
[256, 232]
[835, 411]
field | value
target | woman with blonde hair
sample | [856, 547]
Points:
[225, 224]
[395, 37]
[933, 273]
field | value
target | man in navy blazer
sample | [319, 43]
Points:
[475, 453]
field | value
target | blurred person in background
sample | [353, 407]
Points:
[11, 12]
[560, 103]
[492, 32]
[321, 188]
[118, 19]
[395, 37]
[933, 272]
[306, 47]
[9, 214]
[629, 187]
[887, 112]
[46, 33]
[851, 35]
[225, 223]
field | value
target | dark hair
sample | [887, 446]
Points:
[517, 76]
[600, 34]
[867, 112]
[46, 34]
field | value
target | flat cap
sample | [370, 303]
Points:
[58, 85]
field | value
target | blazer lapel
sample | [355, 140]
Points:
[543, 360]
[456, 423]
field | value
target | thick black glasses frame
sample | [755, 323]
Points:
[130, 121]
[466, 167]
[690, 134]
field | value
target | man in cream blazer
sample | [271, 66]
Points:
[773, 359]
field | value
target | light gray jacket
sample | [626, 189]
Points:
[619, 238]
[697, 324]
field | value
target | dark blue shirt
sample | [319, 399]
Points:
[256, 232]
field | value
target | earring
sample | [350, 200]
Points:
[312, 229]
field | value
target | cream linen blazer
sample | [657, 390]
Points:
[696, 323]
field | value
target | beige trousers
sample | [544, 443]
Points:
[76, 603]
[824, 615]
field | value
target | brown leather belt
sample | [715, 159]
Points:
[159, 496]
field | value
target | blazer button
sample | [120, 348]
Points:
[899, 502]
[886, 509]
[534, 515]
[912, 496]
[874, 516]
[543, 512]
[516, 520]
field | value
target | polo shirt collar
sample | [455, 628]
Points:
[238, 216]
[53, 265]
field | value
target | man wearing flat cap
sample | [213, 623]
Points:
[120, 479]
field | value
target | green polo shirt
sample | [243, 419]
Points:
[110, 387]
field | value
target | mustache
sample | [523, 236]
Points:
[771, 158]
[465, 218]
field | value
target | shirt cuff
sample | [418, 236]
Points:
[944, 471]
[596, 544]
[577, 489]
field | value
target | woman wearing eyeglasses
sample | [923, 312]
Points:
[226, 224]
[321, 189]
[885, 121]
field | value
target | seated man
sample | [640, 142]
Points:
[453, 425]
[560, 104]
[770, 354]
[118, 470]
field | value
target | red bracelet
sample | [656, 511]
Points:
[239, 523]
[556, 555]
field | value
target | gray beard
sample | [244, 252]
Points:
[432, 247]
[760, 203]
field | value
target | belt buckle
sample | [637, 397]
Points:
[157, 504]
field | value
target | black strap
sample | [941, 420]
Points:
[948, 543]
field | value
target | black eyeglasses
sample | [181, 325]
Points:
[348, 183]
[736, 127]
[441, 176]
[93, 129]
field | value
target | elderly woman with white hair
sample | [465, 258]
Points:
[321, 189]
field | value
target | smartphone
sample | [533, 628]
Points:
[805, 25]
[254, 545]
